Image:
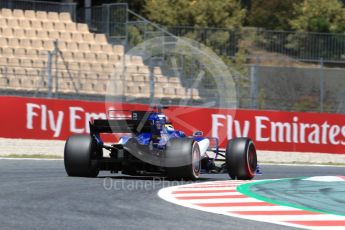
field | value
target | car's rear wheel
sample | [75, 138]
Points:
[183, 159]
[79, 152]
[241, 159]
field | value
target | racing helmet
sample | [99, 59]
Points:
[169, 128]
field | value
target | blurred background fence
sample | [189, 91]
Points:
[317, 89]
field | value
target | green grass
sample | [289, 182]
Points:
[40, 156]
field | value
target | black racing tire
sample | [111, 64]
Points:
[79, 151]
[241, 158]
[183, 159]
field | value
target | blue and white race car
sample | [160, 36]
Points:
[151, 145]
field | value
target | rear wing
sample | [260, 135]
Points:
[138, 123]
[119, 126]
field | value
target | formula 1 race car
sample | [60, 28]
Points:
[151, 145]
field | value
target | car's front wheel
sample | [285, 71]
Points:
[241, 158]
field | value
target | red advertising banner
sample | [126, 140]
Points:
[33, 118]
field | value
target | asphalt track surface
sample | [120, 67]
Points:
[38, 195]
